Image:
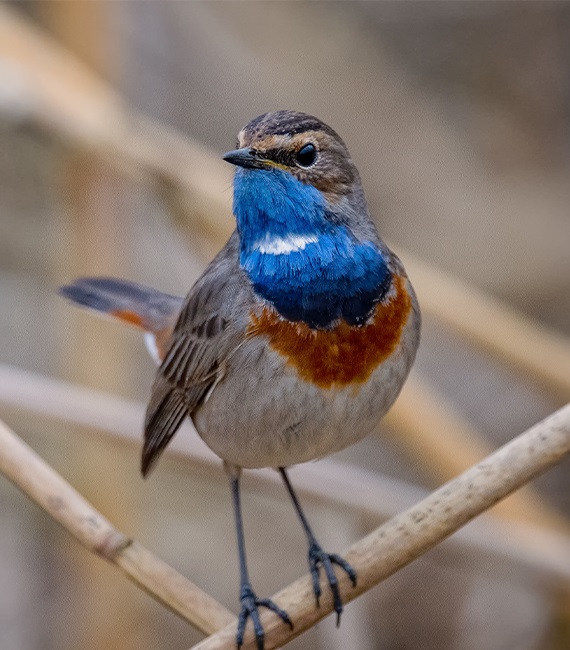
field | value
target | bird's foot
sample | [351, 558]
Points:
[318, 558]
[249, 609]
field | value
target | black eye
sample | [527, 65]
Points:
[307, 155]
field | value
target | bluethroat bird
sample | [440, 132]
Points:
[296, 339]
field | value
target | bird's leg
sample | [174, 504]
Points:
[248, 600]
[318, 557]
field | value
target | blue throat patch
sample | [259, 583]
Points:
[308, 267]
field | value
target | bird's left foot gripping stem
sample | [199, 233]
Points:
[318, 557]
[250, 603]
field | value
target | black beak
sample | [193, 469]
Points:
[245, 157]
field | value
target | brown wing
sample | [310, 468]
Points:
[207, 331]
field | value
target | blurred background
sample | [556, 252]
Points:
[113, 117]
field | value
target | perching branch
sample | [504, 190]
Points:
[51, 492]
[410, 534]
[448, 444]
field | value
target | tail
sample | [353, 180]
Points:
[148, 309]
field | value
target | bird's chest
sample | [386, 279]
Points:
[340, 356]
[292, 394]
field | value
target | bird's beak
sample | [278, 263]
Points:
[245, 157]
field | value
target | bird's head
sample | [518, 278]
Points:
[300, 145]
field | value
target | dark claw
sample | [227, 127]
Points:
[345, 566]
[269, 604]
[317, 558]
[249, 609]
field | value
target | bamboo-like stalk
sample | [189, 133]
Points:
[21, 465]
[451, 444]
[412, 533]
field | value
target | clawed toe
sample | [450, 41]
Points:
[318, 558]
[250, 604]
[345, 566]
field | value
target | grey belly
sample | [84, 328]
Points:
[262, 415]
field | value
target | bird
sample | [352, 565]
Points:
[295, 340]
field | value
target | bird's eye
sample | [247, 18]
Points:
[307, 155]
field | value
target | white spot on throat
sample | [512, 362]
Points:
[284, 245]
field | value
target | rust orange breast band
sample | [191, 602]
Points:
[344, 355]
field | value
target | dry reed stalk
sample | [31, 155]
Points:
[21, 465]
[451, 444]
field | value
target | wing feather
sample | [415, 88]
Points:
[167, 410]
[209, 328]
